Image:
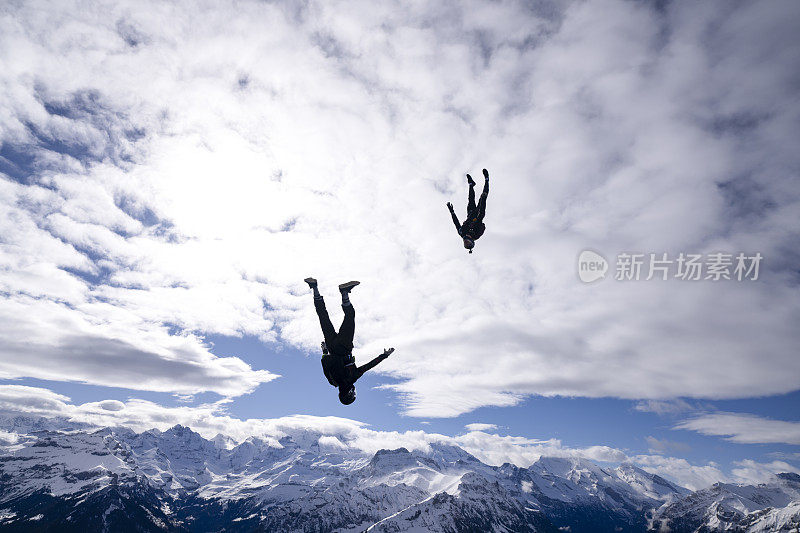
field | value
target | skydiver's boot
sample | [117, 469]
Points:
[345, 289]
[470, 180]
[312, 283]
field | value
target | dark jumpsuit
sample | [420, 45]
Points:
[473, 226]
[339, 365]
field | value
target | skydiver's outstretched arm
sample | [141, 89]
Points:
[372, 364]
[455, 218]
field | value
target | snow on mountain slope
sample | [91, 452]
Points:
[63, 463]
[175, 480]
[732, 507]
[479, 505]
[571, 479]
[771, 520]
[649, 485]
[401, 467]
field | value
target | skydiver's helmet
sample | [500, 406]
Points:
[469, 244]
[347, 395]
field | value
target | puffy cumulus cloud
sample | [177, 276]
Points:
[173, 171]
[744, 428]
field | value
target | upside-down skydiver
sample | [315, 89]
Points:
[338, 362]
[473, 226]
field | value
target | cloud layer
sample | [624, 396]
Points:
[173, 172]
[211, 419]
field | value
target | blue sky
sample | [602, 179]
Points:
[169, 175]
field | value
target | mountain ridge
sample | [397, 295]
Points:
[176, 480]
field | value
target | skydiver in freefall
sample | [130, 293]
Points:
[473, 226]
[338, 362]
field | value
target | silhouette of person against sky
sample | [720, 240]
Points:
[338, 362]
[473, 226]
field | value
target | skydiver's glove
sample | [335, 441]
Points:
[449, 206]
[386, 353]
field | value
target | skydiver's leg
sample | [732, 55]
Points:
[482, 200]
[471, 202]
[324, 320]
[344, 340]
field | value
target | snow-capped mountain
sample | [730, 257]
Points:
[766, 507]
[55, 477]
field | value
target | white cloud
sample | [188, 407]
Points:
[790, 456]
[109, 345]
[749, 471]
[682, 471]
[32, 401]
[480, 426]
[112, 405]
[184, 180]
[744, 428]
[211, 419]
[8, 438]
[331, 442]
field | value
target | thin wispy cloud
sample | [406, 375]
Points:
[665, 446]
[744, 428]
[664, 407]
